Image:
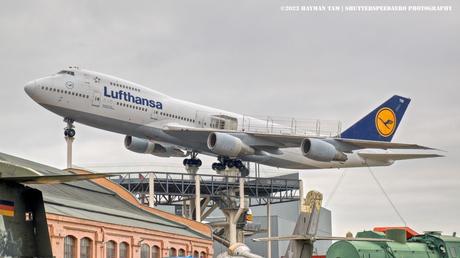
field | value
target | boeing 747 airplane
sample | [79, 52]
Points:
[157, 124]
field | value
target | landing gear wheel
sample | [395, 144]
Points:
[196, 162]
[193, 162]
[218, 166]
[69, 133]
[244, 172]
[68, 130]
[230, 163]
[238, 164]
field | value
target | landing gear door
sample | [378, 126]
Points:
[96, 98]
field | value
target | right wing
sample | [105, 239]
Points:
[271, 140]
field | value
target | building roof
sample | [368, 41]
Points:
[104, 201]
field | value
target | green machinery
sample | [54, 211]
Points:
[429, 245]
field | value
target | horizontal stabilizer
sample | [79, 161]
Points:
[364, 144]
[396, 156]
[282, 238]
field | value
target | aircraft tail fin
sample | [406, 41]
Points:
[380, 124]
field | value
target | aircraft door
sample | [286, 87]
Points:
[96, 98]
[154, 114]
[200, 118]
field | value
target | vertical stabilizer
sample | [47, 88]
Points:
[381, 123]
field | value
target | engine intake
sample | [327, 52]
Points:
[320, 150]
[228, 145]
[140, 145]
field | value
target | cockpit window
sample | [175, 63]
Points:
[66, 72]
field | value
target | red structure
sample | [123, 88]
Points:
[409, 232]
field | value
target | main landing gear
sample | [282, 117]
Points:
[69, 130]
[193, 161]
[230, 163]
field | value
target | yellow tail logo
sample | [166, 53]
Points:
[385, 122]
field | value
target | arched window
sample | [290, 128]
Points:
[203, 255]
[196, 254]
[172, 252]
[85, 247]
[156, 252]
[145, 251]
[70, 247]
[124, 250]
[111, 249]
[181, 252]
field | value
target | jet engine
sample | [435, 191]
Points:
[228, 145]
[320, 150]
[140, 145]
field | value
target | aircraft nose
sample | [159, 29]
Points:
[29, 87]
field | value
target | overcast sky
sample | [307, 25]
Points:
[250, 57]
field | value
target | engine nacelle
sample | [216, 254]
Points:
[320, 150]
[140, 145]
[228, 145]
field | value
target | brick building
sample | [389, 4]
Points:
[99, 219]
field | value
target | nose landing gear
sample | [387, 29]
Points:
[69, 130]
[69, 133]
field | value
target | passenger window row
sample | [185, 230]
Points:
[68, 92]
[176, 117]
[125, 86]
[131, 106]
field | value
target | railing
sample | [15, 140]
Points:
[269, 124]
[291, 126]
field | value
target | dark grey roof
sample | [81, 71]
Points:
[88, 200]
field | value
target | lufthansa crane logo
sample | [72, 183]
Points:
[385, 122]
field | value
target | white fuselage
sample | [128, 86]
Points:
[124, 107]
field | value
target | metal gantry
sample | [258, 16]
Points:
[173, 188]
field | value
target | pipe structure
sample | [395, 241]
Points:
[241, 208]
[151, 190]
[69, 141]
[197, 198]
[241, 250]
[269, 228]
